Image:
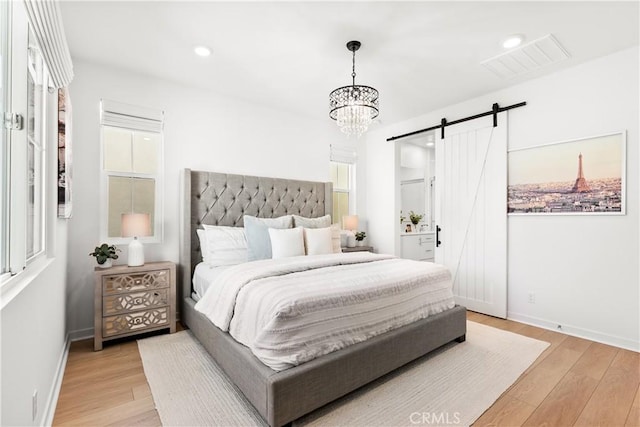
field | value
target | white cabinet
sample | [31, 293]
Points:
[418, 246]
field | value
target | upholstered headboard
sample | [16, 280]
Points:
[223, 199]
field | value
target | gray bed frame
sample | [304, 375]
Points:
[281, 397]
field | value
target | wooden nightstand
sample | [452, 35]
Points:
[133, 300]
[358, 249]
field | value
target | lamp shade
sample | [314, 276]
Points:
[136, 225]
[350, 222]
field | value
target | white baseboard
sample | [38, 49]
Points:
[575, 331]
[80, 334]
[54, 393]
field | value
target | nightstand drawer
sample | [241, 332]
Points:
[122, 283]
[135, 321]
[122, 303]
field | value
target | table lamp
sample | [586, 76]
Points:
[136, 225]
[350, 223]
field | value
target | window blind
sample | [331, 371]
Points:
[342, 154]
[127, 116]
[46, 22]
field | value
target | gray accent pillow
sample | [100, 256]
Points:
[322, 222]
[257, 231]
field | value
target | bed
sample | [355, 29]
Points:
[283, 396]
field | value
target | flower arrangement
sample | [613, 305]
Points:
[415, 218]
[105, 252]
[360, 235]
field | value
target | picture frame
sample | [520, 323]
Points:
[64, 155]
[584, 176]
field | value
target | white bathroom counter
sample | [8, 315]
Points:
[417, 233]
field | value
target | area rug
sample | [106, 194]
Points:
[451, 386]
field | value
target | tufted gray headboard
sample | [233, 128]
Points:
[223, 199]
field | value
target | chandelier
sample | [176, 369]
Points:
[353, 107]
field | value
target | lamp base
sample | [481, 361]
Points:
[136, 253]
[351, 240]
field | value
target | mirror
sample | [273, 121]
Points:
[417, 180]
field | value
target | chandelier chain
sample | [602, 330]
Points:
[353, 69]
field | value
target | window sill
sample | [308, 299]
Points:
[11, 288]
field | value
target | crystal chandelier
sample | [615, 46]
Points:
[353, 107]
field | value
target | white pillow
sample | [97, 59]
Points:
[204, 250]
[301, 221]
[318, 240]
[224, 245]
[286, 242]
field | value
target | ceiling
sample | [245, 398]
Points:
[290, 55]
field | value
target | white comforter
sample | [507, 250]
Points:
[292, 310]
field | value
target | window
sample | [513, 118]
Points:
[131, 167]
[24, 89]
[342, 173]
[341, 177]
[32, 44]
[37, 80]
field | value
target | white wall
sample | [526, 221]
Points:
[203, 131]
[583, 269]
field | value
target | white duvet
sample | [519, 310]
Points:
[291, 310]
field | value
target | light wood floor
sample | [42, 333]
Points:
[574, 382]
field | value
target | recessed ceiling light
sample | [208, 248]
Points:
[202, 51]
[512, 41]
[430, 144]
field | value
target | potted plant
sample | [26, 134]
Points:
[360, 235]
[105, 255]
[415, 218]
[402, 217]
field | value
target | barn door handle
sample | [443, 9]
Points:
[438, 230]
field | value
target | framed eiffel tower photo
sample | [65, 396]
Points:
[578, 177]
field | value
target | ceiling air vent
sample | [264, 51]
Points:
[528, 57]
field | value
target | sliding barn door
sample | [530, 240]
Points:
[471, 211]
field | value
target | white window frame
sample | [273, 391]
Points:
[133, 118]
[40, 149]
[5, 68]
